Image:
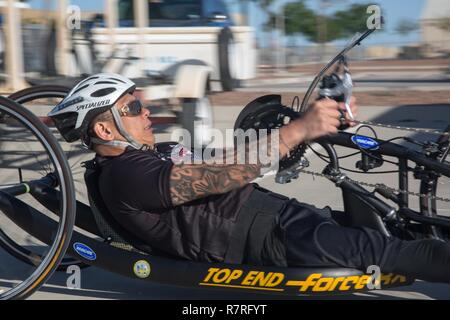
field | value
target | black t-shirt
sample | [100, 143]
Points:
[135, 187]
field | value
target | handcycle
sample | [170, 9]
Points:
[113, 249]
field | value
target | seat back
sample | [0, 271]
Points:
[111, 230]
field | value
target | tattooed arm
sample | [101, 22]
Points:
[190, 182]
[193, 181]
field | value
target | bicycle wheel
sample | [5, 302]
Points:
[39, 99]
[27, 145]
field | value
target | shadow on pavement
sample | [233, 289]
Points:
[431, 116]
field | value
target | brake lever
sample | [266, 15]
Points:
[339, 87]
[347, 83]
[333, 87]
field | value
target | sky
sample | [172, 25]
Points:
[394, 11]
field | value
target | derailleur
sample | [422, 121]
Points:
[284, 176]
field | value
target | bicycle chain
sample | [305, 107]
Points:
[389, 126]
[372, 185]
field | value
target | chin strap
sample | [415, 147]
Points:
[122, 144]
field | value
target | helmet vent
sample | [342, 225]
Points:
[88, 79]
[105, 82]
[80, 88]
[115, 79]
[103, 92]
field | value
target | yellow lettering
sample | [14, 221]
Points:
[398, 278]
[248, 279]
[309, 282]
[362, 283]
[221, 275]
[344, 286]
[236, 274]
[327, 281]
[211, 271]
[386, 278]
[262, 278]
[336, 282]
[275, 280]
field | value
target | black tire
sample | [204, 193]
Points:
[225, 41]
[64, 232]
[50, 52]
[196, 118]
[268, 113]
[39, 92]
[255, 108]
[21, 253]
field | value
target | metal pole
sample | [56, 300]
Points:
[322, 29]
[283, 38]
[281, 54]
[112, 18]
[277, 30]
[14, 50]
[112, 21]
[142, 22]
[244, 12]
[62, 39]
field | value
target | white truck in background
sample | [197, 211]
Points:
[176, 51]
[229, 52]
[174, 33]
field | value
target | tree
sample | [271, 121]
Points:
[351, 21]
[263, 4]
[297, 17]
[443, 24]
[301, 20]
[405, 27]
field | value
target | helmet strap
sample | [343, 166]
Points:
[119, 124]
[114, 143]
[117, 143]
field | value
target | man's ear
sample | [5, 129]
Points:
[104, 131]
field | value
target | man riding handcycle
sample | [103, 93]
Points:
[212, 212]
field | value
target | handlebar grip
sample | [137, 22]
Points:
[344, 125]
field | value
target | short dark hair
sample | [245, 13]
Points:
[102, 117]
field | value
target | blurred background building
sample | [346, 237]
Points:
[435, 27]
[287, 33]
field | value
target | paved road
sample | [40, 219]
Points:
[363, 85]
[99, 284]
[364, 81]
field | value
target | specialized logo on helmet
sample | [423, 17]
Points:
[94, 105]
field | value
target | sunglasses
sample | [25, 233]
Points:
[132, 109]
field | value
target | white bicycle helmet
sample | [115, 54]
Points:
[85, 101]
